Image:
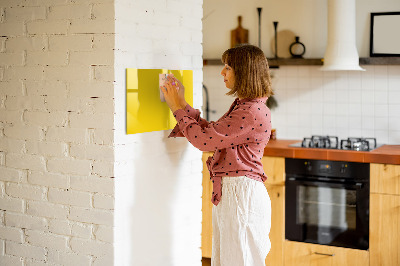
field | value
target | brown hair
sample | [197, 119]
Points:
[250, 66]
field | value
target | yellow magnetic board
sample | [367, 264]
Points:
[144, 110]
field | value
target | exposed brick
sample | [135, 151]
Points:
[107, 259]
[48, 179]
[103, 41]
[71, 43]
[25, 103]
[11, 233]
[81, 73]
[102, 136]
[25, 161]
[46, 118]
[32, 43]
[92, 151]
[91, 26]
[12, 117]
[69, 197]
[64, 134]
[46, 209]
[70, 12]
[48, 27]
[12, 29]
[10, 174]
[56, 103]
[104, 11]
[25, 250]
[47, 58]
[24, 73]
[12, 145]
[103, 202]
[56, 149]
[82, 230]
[91, 247]
[97, 105]
[25, 221]
[68, 258]
[47, 240]
[91, 58]
[12, 204]
[25, 191]
[11, 59]
[98, 120]
[24, 132]
[95, 216]
[46, 88]
[93, 184]
[70, 166]
[11, 88]
[60, 227]
[91, 89]
[24, 13]
[11, 260]
[104, 169]
[104, 233]
[46, 2]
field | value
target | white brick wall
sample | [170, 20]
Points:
[56, 132]
[156, 177]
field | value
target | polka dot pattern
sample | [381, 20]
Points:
[238, 139]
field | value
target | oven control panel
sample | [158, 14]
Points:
[337, 169]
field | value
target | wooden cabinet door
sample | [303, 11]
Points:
[206, 226]
[384, 236]
[274, 168]
[304, 254]
[277, 233]
[385, 178]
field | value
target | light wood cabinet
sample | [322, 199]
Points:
[305, 254]
[385, 178]
[385, 215]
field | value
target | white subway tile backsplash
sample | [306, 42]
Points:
[347, 103]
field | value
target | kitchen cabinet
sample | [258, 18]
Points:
[385, 214]
[305, 254]
[274, 168]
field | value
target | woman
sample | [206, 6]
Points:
[242, 208]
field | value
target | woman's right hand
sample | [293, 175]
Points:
[181, 91]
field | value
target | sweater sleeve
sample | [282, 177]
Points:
[231, 130]
[193, 113]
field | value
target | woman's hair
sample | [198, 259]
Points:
[250, 66]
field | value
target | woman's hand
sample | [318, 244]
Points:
[173, 94]
[181, 91]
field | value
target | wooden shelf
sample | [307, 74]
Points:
[274, 63]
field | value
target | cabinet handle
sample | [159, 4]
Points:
[324, 254]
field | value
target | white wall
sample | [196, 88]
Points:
[305, 18]
[158, 180]
[344, 103]
[56, 132]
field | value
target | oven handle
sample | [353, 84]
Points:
[357, 185]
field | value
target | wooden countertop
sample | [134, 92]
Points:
[389, 154]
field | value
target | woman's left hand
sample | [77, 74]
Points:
[171, 94]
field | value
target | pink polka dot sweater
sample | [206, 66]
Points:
[238, 139]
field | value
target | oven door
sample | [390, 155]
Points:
[327, 213]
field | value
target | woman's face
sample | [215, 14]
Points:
[229, 76]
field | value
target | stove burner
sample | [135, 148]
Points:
[328, 142]
[358, 144]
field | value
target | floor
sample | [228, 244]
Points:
[206, 261]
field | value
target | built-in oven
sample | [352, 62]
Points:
[327, 202]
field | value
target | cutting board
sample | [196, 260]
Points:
[239, 35]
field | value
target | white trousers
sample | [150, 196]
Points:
[241, 223]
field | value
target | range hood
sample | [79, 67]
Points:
[341, 51]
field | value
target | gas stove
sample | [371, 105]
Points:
[332, 142]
